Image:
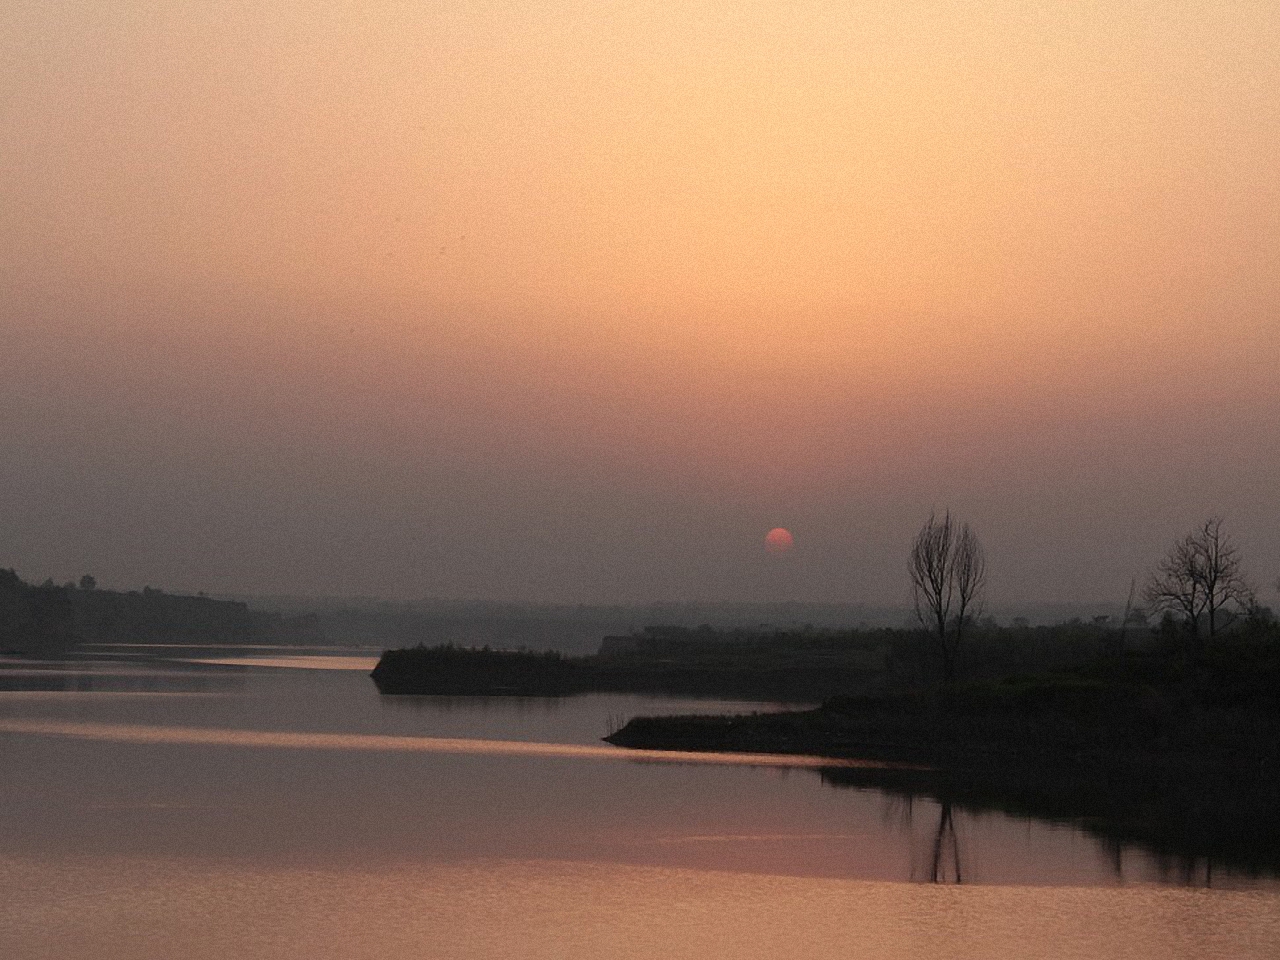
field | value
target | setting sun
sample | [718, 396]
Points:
[779, 540]
[393, 395]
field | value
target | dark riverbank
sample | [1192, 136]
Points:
[1182, 757]
[793, 668]
[1169, 746]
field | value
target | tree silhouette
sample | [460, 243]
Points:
[948, 574]
[1201, 578]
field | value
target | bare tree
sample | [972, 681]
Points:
[948, 573]
[1201, 578]
[1174, 587]
[969, 572]
[931, 584]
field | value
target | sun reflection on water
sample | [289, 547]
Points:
[205, 736]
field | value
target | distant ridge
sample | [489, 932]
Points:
[50, 619]
[579, 628]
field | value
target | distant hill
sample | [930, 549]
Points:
[33, 619]
[50, 619]
[568, 628]
[577, 629]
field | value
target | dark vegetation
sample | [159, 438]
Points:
[948, 574]
[806, 665]
[570, 628]
[800, 666]
[1165, 746]
[1169, 737]
[1164, 734]
[51, 619]
[33, 619]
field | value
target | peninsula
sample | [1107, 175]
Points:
[1163, 743]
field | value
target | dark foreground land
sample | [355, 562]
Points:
[1181, 755]
[1168, 746]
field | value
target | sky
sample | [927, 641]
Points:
[569, 301]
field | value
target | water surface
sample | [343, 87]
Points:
[171, 801]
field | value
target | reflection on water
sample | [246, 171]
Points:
[296, 813]
[178, 649]
[110, 678]
[204, 736]
[554, 910]
[363, 664]
[945, 863]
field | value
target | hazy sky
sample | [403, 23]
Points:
[575, 301]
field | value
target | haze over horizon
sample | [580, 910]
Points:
[576, 301]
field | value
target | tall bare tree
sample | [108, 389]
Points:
[948, 574]
[1201, 578]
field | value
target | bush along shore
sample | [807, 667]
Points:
[1180, 755]
[798, 667]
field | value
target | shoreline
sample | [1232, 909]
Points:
[1176, 800]
[722, 674]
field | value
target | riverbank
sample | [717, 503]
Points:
[790, 668]
[1173, 748]
[1188, 765]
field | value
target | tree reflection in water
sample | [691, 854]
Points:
[1134, 843]
[943, 837]
[943, 859]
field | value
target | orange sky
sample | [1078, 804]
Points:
[572, 300]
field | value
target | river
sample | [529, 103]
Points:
[260, 803]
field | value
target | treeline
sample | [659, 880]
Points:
[569, 628]
[994, 651]
[1174, 748]
[50, 619]
[905, 659]
[33, 619]
[800, 666]
[809, 665]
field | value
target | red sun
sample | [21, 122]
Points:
[779, 540]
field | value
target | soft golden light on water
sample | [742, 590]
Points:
[63, 697]
[144, 909]
[305, 662]
[300, 816]
[262, 739]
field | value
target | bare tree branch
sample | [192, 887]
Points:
[969, 575]
[948, 573]
[1201, 578]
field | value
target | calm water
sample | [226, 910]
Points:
[162, 802]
